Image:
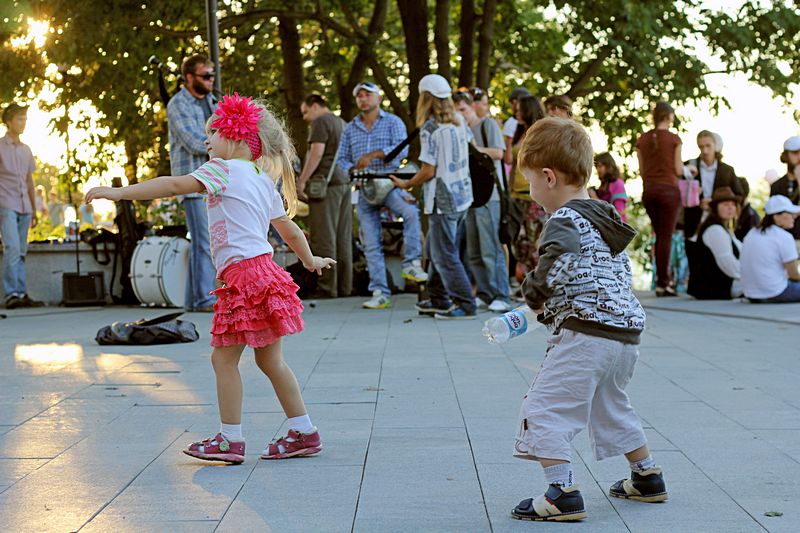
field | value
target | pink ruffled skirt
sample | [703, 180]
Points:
[257, 305]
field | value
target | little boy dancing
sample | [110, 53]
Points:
[581, 289]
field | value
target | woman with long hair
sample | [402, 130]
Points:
[612, 186]
[447, 194]
[659, 154]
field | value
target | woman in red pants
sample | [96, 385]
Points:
[660, 164]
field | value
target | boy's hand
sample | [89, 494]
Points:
[318, 263]
[108, 193]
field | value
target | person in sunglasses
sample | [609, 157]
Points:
[187, 113]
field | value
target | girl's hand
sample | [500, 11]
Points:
[318, 263]
[403, 184]
[108, 193]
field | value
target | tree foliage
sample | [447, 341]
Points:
[614, 57]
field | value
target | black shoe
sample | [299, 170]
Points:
[647, 486]
[559, 504]
[14, 302]
[427, 307]
[455, 313]
[27, 301]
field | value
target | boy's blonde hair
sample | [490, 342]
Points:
[277, 153]
[559, 144]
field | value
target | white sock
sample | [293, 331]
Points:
[231, 431]
[302, 424]
[645, 464]
[560, 474]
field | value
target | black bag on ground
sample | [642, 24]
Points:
[165, 329]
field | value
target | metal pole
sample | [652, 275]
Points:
[213, 42]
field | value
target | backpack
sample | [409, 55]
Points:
[483, 175]
[165, 329]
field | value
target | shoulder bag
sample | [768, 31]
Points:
[317, 185]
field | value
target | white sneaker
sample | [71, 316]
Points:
[480, 304]
[378, 301]
[414, 272]
[499, 306]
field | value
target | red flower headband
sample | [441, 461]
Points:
[237, 119]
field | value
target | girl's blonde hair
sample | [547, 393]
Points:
[277, 153]
[441, 109]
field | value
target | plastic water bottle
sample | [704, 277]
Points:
[515, 323]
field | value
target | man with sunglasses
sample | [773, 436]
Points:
[187, 113]
[364, 144]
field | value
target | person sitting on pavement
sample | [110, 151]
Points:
[748, 217]
[447, 192]
[364, 144]
[769, 255]
[714, 251]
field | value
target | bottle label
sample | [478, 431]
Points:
[517, 323]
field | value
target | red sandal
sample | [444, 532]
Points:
[294, 444]
[217, 448]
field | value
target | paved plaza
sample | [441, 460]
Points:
[417, 417]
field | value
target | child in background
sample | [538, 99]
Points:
[581, 289]
[612, 186]
[257, 305]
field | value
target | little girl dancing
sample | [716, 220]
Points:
[257, 304]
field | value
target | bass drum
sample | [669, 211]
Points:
[159, 270]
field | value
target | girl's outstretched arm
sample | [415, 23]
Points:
[161, 187]
[294, 237]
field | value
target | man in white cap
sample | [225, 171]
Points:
[788, 184]
[365, 142]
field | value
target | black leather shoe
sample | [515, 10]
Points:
[647, 486]
[558, 504]
[13, 302]
[27, 301]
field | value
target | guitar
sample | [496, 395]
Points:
[375, 191]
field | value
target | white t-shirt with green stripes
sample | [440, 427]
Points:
[241, 202]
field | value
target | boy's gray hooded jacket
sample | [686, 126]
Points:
[583, 278]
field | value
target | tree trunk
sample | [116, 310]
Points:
[441, 38]
[133, 156]
[362, 60]
[467, 44]
[414, 15]
[293, 89]
[485, 43]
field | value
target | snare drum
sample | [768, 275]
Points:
[159, 270]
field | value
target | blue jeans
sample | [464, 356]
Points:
[447, 279]
[400, 203]
[791, 294]
[14, 232]
[200, 281]
[486, 258]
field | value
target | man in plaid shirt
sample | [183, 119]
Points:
[187, 113]
[364, 143]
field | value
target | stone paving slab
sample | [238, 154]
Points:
[417, 418]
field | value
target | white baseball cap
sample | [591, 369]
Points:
[436, 85]
[792, 144]
[367, 86]
[780, 204]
